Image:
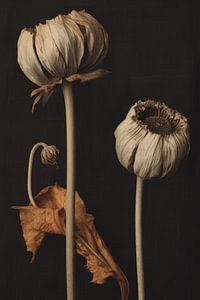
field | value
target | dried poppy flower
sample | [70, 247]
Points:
[152, 140]
[61, 48]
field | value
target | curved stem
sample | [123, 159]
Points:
[30, 167]
[70, 186]
[138, 238]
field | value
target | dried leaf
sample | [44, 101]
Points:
[50, 217]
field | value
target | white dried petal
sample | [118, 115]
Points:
[170, 152]
[47, 51]
[148, 157]
[49, 155]
[27, 58]
[69, 44]
[95, 36]
[76, 46]
[128, 136]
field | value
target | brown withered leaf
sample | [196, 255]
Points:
[50, 217]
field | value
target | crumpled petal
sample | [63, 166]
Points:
[96, 38]
[50, 217]
[169, 154]
[175, 147]
[72, 54]
[148, 157]
[129, 133]
[47, 51]
[69, 42]
[27, 58]
[128, 136]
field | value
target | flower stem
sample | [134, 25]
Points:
[30, 167]
[138, 238]
[70, 186]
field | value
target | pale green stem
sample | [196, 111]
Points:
[30, 167]
[70, 186]
[138, 238]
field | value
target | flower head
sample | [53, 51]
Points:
[61, 48]
[49, 155]
[152, 140]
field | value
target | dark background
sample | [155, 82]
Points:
[154, 53]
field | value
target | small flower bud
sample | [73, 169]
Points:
[49, 155]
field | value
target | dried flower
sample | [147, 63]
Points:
[65, 49]
[152, 140]
[61, 48]
[49, 155]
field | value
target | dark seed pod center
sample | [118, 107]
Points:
[159, 125]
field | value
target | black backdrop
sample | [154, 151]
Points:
[154, 53]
